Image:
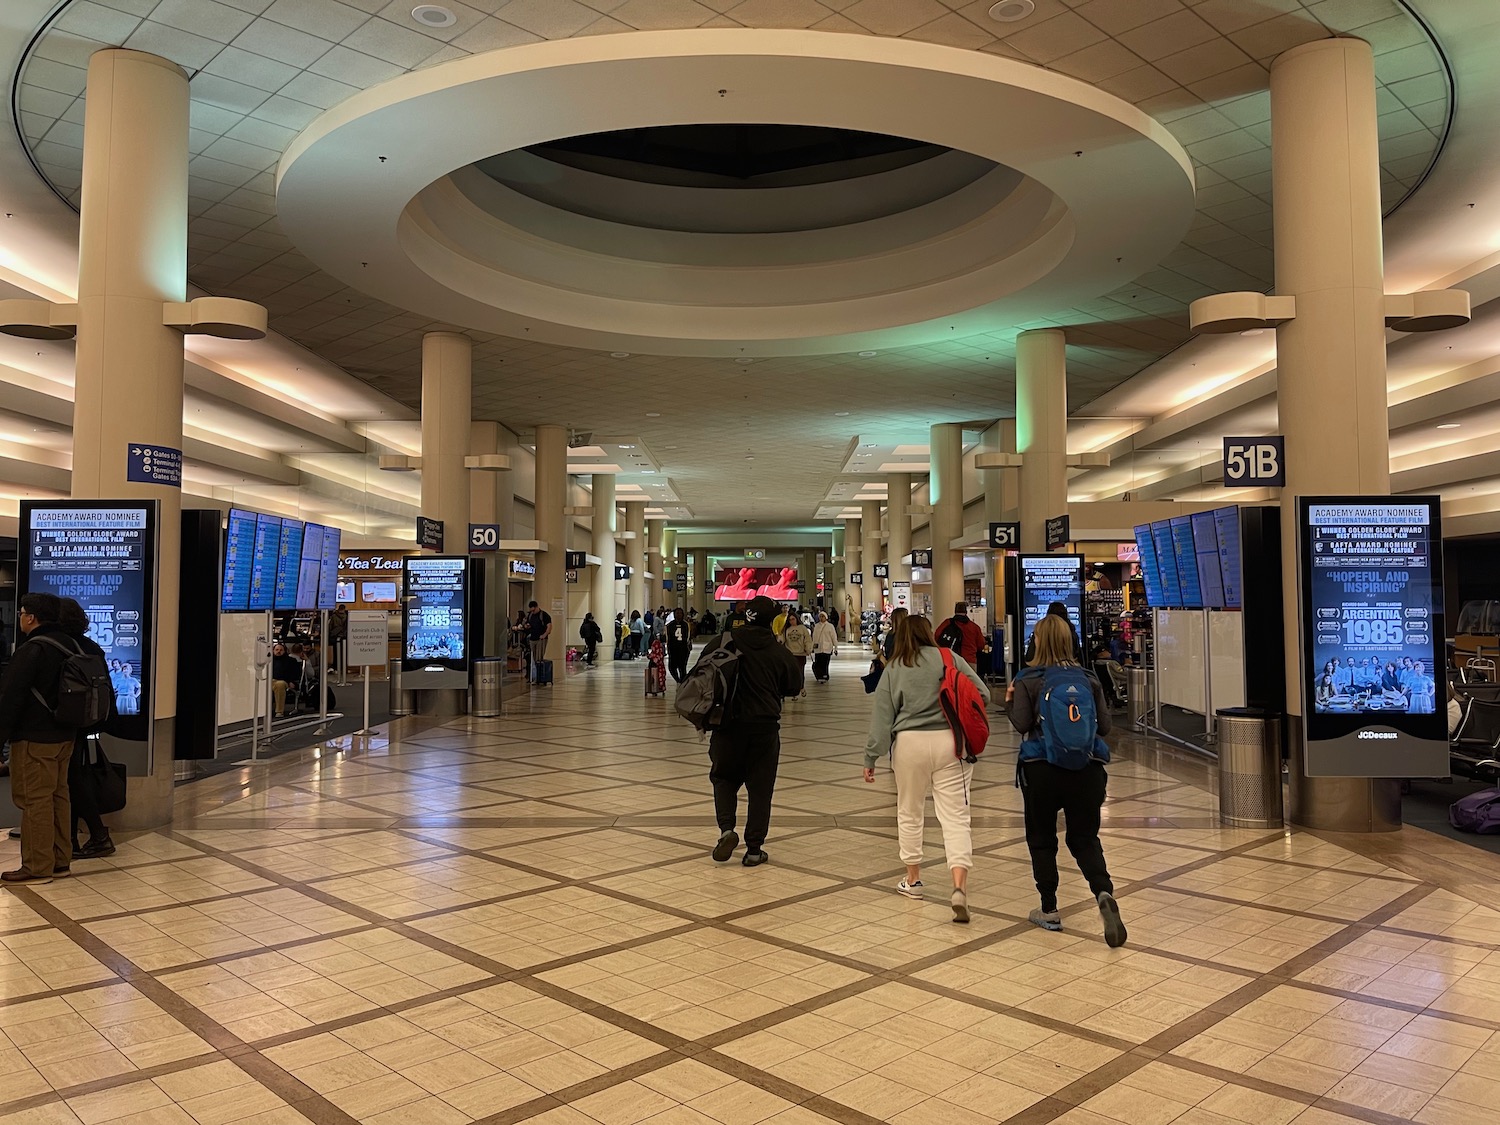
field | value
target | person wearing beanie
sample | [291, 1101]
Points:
[745, 749]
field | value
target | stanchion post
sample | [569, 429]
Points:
[366, 728]
[1208, 680]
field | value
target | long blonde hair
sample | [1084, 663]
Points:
[1054, 642]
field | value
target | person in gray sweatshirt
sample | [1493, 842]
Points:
[908, 723]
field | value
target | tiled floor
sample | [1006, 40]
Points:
[517, 920]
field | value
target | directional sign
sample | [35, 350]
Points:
[153, 464]
[484, 537]
[1057, 532]
[921, 558]
[1005, 536]
[575, 560]
[856, 578]
[621, 573]
[1255, 462]
[881, 570]
[429, 533]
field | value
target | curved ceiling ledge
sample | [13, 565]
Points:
[1105, 194]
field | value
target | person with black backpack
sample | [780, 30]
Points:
[1058, 706]
[75, 622]
[961, 635]
[41, 742]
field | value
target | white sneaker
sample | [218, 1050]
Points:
[910, 890]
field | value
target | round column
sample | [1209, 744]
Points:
[602, 600]
[898, 522]
[871, 552]
[447, 403]
[550, 499]
[671, 568]
[999, 497]
[703, 581]
[654, 593]
[635, 556]
[132, 258]
[1330, 362]
[807, 572]
[854, 564]
[1041, 431]
[946, 442]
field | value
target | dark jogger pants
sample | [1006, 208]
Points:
[1045, 789]
[745, 754]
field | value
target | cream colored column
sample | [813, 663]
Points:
[447, 404]
[655, 595]
[703, 581]
[1000, 489]
[836, 588]
[602, 600]
[551, 497]
[1041, 431]
[1331, 365]
[946, 486]
[635, 557]
[871, 552]
[485, 489]
[807, 572]
[854, 564]
[132, 258]
[898, 523]
[671, 568]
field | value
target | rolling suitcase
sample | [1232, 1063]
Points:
[541, 672]
[656, 678]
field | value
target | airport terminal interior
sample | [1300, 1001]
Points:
[356, 355]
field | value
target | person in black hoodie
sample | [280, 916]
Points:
[679, 645]
[75, 622]
[40, 747]
[746, 749]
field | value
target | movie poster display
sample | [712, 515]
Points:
[102, 554]
[434, 630]
[741, 583]
[1046, 579]
[1374, 690]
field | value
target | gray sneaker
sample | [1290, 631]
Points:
[1047, 919]
[1114, 926]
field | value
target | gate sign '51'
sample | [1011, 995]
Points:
[1255, 462]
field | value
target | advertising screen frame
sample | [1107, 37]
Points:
[137, 729]
[1024, 591]
[410, 604]
[1362, 742]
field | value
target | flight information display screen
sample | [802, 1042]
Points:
[1206, 544]
[1166, 561]
[1150, 567]
[311, 566]
[239, 552]
[328, 571]
[288, 564]
[434, 627]
[1227, 529]
[1186, 557]
[264, 555]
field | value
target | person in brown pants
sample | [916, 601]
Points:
[40, 748]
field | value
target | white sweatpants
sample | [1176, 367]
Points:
[923, 760]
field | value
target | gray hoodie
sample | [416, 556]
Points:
[907, 699]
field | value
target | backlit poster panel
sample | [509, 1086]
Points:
[1374, 690]
[434, 629]
[1046, 579]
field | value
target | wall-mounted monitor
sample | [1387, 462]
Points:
[1150, 568]
[1166, 562]
[1373, 681]
[1186, 558]
[328, 569]
[1227, 529]
[288, 564]
[263, 559]
[1206, 544]
[434, 622]
[343, 592]
[377, 592]
[311, 567]
[239, 553]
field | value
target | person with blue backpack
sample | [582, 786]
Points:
[1058, 706]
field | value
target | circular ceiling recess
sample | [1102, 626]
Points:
[711, 192]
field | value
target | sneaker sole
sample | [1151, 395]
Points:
[1050, 927]
[1114, 926]
[755, 859]
[725, 847]
[909, 893]
[961, 911]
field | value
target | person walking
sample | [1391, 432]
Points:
[796, 638]
[538, 630]
[1060, 611]
[679, 645]
[590, 633]
[825, 647]
[961, 635]
[745, 749]
[637, 634]
[908, 724]
[75, 622]
[40, 746]
[1055, 690]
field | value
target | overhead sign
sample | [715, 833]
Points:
[1057, 532]
[570, 576]
[429, 534]
[1005, 536]
[368, 637]
[522, 568]
[575, 560]
[1255, 462]
[856, 578]
[621, 573]
[881, 570]
[921, 558]
[366, 561]
[666, 584]
[153, 464]
[484, 537]
[1373, 654]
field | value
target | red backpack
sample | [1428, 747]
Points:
[963, 707]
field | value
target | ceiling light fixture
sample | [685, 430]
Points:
[619, 355]
[653, 414]
[1255, 332]
[1011, 11]
[433, 15]
[868, 355]
[841, 414]
[744, 361]
[1449, 425]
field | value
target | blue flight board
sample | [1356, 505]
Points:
[239, 551]
[1150, 568]
[1206, 544]
[1166, 561]
[263, 557]
[288, 564]
[1187, 561]
[311, 566]
[1227, 526]
[328, 572]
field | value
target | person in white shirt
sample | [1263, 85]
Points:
[825, 647]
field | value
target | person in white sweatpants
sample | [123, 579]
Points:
[908, 722]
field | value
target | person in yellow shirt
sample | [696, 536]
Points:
[778, 626]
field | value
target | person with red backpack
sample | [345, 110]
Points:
[910, 723]
[1059, 708]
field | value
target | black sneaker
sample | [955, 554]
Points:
[726, 845]
[95, 849]
[755, 857]
[1114, 926]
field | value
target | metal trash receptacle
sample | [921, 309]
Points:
[1140, 702]
[487, 673]
[1249, 767]
[403, 699]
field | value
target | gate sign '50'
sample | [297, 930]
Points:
[1255, 462]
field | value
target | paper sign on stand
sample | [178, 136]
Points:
[368, 643]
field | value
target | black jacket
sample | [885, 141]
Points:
[767, 674]
[34, 667]
[287, 668]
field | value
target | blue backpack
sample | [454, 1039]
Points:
[1070, 725]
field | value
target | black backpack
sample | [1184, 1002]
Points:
[704, 697]
[952, 636]
[85, 693]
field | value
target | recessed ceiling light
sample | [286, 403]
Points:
[433, 15]
[841, 414]
[1449, 425]
[1009, 11]
[1255, 332]
[867, 355]
[648, 472]
[619, 355]
[653, 414]
[627, 447]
